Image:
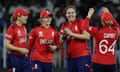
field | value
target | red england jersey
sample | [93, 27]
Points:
[105, 40]
[17, 35]
[76, 47]
[40, 38]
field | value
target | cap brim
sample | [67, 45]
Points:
[27, 13]
[50, 15]
[106, 17]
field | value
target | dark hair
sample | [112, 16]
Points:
[13, 18]
[70, 6]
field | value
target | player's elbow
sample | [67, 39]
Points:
[5, 44]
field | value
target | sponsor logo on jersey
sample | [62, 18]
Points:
[76, 28]
[53, 33]
[45, 41]
[40, 34]
[19, 33]
[22, 40]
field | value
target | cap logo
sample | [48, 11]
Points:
[18, 14]
[47, 12]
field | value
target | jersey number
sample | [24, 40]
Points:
[103, 48]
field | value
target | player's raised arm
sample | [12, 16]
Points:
[106, 13]
[86, 21]
[90, 12]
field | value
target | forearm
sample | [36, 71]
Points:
[115, 23]
[86, 23]
[81, 36]
[11, 47]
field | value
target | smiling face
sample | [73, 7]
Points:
[70, 14]
[46, 20]
[22, 19]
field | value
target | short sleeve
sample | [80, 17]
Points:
[9, 34]
[32, 34]
[84, 23]
[93, 30]
[31, 39]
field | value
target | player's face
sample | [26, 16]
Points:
[23, 19]
[47, 20]
[70, 14]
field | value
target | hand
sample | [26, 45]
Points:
[23, 50]
[68, 32]
[90, 12]
[86, 34]
[105, 9]
[52, 47]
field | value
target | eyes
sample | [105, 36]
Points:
[72, 12]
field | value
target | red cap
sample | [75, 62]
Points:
[20, 12]
[106, 16]
[45, 13]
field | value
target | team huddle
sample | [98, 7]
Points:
[36, 54]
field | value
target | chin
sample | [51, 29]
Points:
[24, 22]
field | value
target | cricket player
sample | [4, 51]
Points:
[43, 41]
[104, 54]
[15, 42]
[78, 53]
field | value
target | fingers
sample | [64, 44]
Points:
[91, 12]
[105, 9]
[67, 31]
[52, 47]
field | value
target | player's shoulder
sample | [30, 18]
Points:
[33, 30]
[36, 28]
[12, 27]
[54, 29]
[79, 19]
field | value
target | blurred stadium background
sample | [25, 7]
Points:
[56, 6]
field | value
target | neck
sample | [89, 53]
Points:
[46, 25]
[18, 23]
[70, 22]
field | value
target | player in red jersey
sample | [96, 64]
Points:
[44, 40]
[78, 53]
[104, 56]
[15, 42]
